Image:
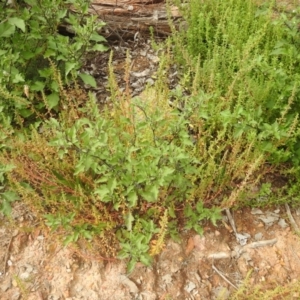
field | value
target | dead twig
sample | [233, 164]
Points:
[223, 276]
[7, 253]
[230, 219]
[261, 244]
[291, 218]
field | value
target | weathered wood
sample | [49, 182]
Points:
[125, 18]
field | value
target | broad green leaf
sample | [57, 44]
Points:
[5, 207]
[18, 23]
[132, 199]
[18, 78]
[112, 184]
[69, 67]
[6, 29]
[99, 47]
[97, 37]
[88, 79]
[10, 196]
[167, 171]
[172, 212]
[37, 86]
[52, 100]
[87, 235]
[25, 113]
[151, 193]
[102, 191]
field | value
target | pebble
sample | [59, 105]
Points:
[6, 284]
[189, 286]
[282, 223]
[256, 211]
[258, 236]
[129, 283]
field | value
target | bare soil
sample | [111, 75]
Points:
[34, 265]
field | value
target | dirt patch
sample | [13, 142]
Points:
[36, 266]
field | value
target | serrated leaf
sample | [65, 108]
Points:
[69, 67]
[102, 191]
[88, 79]
[128, 221]
[198, 229]
[132, 199]
[68, 240]
[10, 196]
[146, 259]
[123, 254]
[151, 193]
[167, 171]
[37, 86]
[5, 207]
[18, 23]
[112, 184]
[131, 265]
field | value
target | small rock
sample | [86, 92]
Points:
[14, 283]
[258, 236]
[189, 286]
[24, 275]
[190, 246]
[242, 238]
[282, 223]
[269, 219]
[29, 268]
[148, 295]
[217, 233]
[199, 242]
[220, 292]
[256, 211]
[15, 233]
[40, 238]
[129, 283]
[16, 296]
[6, 284]
[167, 279]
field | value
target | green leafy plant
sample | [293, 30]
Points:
[241, 72]
[30, 41]
[195, 216]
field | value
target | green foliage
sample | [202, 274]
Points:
[7, 196]
[31, 42]
[142, 168]
[241, 68]
[135, 241]
[194, 216]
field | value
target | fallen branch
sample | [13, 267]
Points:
[291, 218]
[223, 276]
